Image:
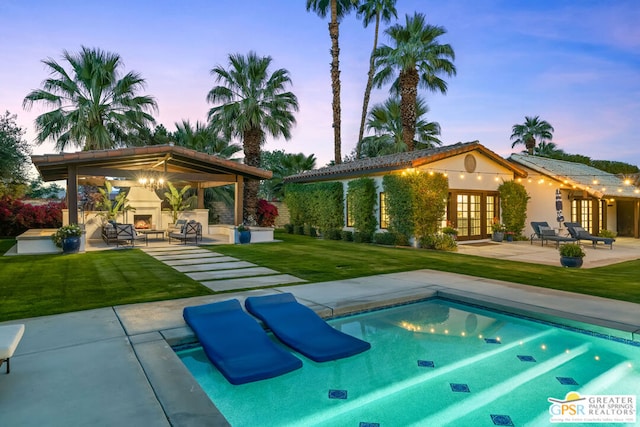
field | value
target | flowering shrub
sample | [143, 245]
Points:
[71, 230]
[17, 217]
[267, 213]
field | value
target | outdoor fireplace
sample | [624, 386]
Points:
[142, 222]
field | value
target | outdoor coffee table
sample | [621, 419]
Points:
[148, 232]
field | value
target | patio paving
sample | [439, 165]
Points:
[115, 366]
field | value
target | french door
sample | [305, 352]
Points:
[473, 213]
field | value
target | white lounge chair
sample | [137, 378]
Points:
[10, 336]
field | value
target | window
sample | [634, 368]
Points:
[349, 211]
[384, 214]
[491, 213]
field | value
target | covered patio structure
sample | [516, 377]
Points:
[125, 167]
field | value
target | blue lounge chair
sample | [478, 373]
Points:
[545, 233]
[236, 344]
[302, 329]
[579, 233]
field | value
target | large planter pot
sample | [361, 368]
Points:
[497, 236]
[244, 236]
[70, 245]
[570, 261]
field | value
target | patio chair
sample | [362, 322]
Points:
[546, 233]
[10, 336]
[191, 231]
[109, 234]
[127, 234]
[579, 233]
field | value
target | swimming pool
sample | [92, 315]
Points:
[432, 363]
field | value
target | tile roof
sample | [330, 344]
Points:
[595, 181]
[398, 161]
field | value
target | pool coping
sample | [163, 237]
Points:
[186, 404]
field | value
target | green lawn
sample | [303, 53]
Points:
[319, 260]
[37, 285]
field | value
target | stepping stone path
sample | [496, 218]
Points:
[216, 271]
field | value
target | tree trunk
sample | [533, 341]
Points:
[367, 90]
[335, 80]
[530, 143]
[252, 141]
[408, 95]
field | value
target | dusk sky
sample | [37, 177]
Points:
[576, 64]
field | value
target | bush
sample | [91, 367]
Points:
[310, 231]
[513, 204]
[288, 228]
[332, 234]
[607, 233]
[362, 237]
[573, 250]
[266, 213]
[17, 217]
[347, 236]
[362, 201]
[299, 229]
[387, 238]
[440, 242]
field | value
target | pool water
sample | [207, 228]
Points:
[432, 363]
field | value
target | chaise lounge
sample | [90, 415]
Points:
[10, 336]
[236, 344]
[579, 233]
[545, 233]
[302, 329]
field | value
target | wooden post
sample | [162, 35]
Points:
[239, 199]
[200, 193]
[72, 193]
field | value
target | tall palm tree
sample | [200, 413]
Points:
[385, 120]
[337, 9]
[252, 102]
[371, 10]
[204, 138]
[94, 107]
[527, 133]
[417, 58]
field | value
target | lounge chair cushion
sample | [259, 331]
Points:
[302, 329]
[546, 231]
[236, 344]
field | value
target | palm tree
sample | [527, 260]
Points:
[94, 108]
[370, 10]
[417, 58]
[527, 133]
[289, 164]
[547, 149]
[337, 9]
[385, 121]
[204, 138]
[252, 103]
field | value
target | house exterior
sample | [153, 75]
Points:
[474, 173]
[596, 199]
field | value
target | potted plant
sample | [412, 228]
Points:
[497, 229]
[67, 237]
[244, 234]
[571, 255]
[509, 235]
[177, 200]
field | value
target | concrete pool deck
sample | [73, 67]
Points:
[115, 366]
